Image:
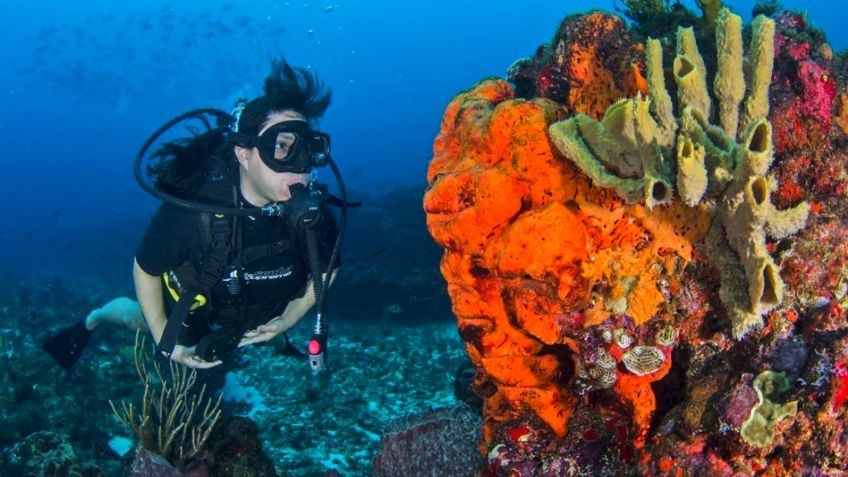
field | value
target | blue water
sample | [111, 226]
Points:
[84, 83]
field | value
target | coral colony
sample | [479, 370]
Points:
[644, 244]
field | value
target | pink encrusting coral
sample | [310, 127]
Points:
[803, 87]
[616, 326]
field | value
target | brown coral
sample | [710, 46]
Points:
[592, 61]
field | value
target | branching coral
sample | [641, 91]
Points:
[172, 422]
[639, 145]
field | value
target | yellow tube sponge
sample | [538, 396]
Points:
[691, 171]
[660, 100]
[691, 89]
[658, 190]
[762, 62]
[718, 147]
[690, 72]
[640, 147]
[569, 138]
[729, 85]
[748, 215]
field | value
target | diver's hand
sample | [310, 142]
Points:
[186, 355]
[264, 333]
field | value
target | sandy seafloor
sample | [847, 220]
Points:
[379, 372]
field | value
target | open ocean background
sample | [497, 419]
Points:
[84, 83]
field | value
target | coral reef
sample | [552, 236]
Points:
[622, 268]
[736, 157]
[238, 449]
[45, 454]
[592, 60]
[497, 289]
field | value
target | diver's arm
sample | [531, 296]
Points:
[148, 290]
[294, 312]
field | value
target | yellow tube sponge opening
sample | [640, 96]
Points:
[691, 73]
[691, 172]
[691, 86]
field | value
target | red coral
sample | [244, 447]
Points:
[520, 433]
[840, 383]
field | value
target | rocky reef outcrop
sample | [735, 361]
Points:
[644, 249]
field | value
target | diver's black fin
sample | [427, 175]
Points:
[66, 345]
[288, 349]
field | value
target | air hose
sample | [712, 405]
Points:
[305, 215]
[318, 343]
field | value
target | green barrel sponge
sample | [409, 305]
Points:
[758, 430]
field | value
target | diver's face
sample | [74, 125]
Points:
[259, 184]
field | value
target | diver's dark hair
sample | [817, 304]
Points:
[182, 167]
[286, 87]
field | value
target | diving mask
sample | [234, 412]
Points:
[290, 146]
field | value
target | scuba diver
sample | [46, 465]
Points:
[244, 244]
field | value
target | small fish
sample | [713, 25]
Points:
[45, 33]
[329, 8]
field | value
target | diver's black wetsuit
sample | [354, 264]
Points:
[268, 284]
